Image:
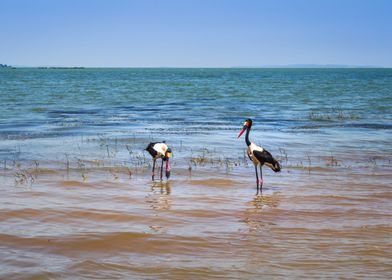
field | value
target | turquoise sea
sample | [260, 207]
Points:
[346, 112]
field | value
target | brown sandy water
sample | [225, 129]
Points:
[319, 223]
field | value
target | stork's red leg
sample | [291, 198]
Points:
[161, 169]
[153, 169]
[257, 180]
[261, 178]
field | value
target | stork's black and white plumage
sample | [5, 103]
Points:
[258, 155]
[159, 151]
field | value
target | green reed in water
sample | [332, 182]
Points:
[27, 172]
[333, 114]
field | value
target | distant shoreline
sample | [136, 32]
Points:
[266, 66]
[163, 67]
[44, 67]
[5, 66]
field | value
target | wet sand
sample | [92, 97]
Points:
[324, 222]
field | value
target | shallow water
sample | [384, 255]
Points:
[77, 200]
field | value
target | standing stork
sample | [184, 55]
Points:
[162, 151]
[258, 155]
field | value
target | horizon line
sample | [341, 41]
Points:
[315, 66]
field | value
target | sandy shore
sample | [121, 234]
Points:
[205, 223]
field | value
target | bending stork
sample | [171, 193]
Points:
[162, 151]
[258, 155]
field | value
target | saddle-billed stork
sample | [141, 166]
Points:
[162, 151]
[258, 155]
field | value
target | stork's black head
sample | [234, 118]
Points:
[276, 167]
[247, 124]
[167, 154]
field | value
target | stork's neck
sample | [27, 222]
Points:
[247, 135]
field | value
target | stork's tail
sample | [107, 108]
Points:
[150, 148]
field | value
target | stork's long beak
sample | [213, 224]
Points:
[167, 169]
[242, 131]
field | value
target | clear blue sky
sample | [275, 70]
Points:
[195, 33]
